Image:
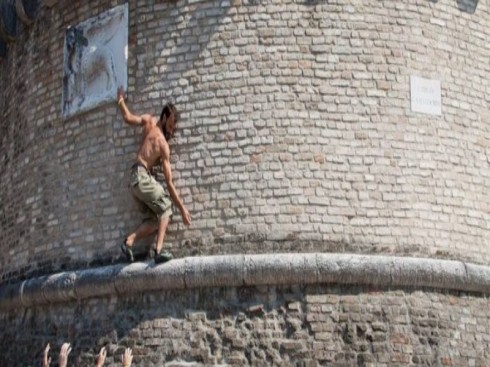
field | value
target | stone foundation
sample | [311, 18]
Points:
[317, 325]
[262, 310]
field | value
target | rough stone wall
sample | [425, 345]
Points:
[261, 326]
[297, 132]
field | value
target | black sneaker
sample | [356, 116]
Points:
[163, 257]
[127, 251]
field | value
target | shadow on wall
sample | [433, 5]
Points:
[159, 328]
[214, 325]
[183, 46]
[247, 326]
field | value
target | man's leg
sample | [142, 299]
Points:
[162, 256]
[144, 230]
[162, 229]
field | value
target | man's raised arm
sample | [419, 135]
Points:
[129, 118]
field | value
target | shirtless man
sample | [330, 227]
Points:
[144, 187]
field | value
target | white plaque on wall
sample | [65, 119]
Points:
[425, 95]
[95, 62]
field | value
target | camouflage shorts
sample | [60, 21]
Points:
[150, 194]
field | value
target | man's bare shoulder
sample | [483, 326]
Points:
[147, 118]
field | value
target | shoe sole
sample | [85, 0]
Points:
[163, 260]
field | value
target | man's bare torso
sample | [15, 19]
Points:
[150, 149]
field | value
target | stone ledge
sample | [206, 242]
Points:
[246, 270]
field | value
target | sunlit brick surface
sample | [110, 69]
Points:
[297, 132]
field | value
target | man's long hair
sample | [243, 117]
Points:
[169, 111]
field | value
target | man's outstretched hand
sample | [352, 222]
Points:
[64, 352]
[101, 357]
[127, 357]
[186, 216]
[46, 358]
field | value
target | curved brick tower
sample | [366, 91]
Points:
[351, 135]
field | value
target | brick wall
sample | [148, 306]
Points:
[297, 132]
[260, 326]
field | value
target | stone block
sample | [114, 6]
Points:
[59, 287]
[422, 272]
[354, 269]
[140, 277]
[279, 269]
[214, 271]
[32, 292]
[96, 282]
[478, 277]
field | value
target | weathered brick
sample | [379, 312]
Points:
[278, 100]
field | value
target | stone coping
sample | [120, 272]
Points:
[246, 270]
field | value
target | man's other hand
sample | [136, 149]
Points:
[186, 216]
